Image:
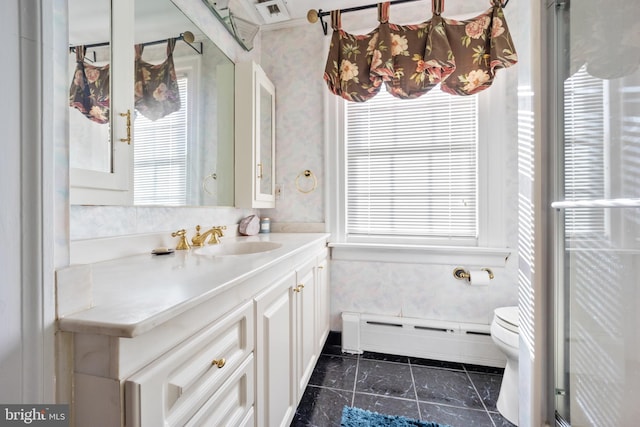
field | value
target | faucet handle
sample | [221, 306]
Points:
[182, 244]
[216, 234]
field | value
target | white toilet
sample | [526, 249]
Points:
[504, 332]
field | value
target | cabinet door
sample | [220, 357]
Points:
[265, 138]
[275, 365]
[305, 321]
[255, 135]
[322, 301]
[110, 183]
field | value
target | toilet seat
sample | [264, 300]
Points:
[507, 317]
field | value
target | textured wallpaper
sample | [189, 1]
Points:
[295, 63]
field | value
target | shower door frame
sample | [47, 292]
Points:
[557, 15]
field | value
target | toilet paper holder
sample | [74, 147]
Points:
[462, 274]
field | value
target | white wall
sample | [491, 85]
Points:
[10, 224]
[29, 203]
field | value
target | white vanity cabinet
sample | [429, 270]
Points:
[238, 352]
[255, 166]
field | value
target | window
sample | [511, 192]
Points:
[160, 156]
[412, 168]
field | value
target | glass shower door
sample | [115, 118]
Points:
[598, 214]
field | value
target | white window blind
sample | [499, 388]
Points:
[584, 150]
[160, 156]
[412, 166]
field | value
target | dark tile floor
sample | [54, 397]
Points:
[447, 393]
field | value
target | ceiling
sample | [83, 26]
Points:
[297, 9]
[402, 11]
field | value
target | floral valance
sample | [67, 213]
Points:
[461, 56]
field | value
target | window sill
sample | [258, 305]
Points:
[421, 254]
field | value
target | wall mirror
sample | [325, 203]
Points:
[181, 158]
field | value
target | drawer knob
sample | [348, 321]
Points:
[219, 362]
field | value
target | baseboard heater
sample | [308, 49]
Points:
[428, 339]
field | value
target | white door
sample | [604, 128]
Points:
[275, 350]
[305, 326]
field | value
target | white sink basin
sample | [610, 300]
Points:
[237, 248]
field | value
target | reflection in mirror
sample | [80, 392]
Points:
[265, 141]
[235, 19]
[184, 155]
[90, 142]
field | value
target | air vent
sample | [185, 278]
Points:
[272, 10]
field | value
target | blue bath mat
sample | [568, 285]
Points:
[356, 417]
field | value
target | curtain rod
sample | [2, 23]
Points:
[186, 37]
[314, 16]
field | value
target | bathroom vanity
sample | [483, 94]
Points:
[197, 337]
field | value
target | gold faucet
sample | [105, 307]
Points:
[214, 234]
[182, 244]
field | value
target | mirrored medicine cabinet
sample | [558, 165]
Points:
[255, 144]
[185, 158]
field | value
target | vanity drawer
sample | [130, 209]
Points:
[170, 390]
[232, 404]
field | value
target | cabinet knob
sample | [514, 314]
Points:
[298, 288]
[219, 362]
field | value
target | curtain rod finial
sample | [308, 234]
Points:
[312, 16]
[188, 36]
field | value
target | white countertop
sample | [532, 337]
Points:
[134, 294]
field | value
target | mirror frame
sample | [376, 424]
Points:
[227, 19]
